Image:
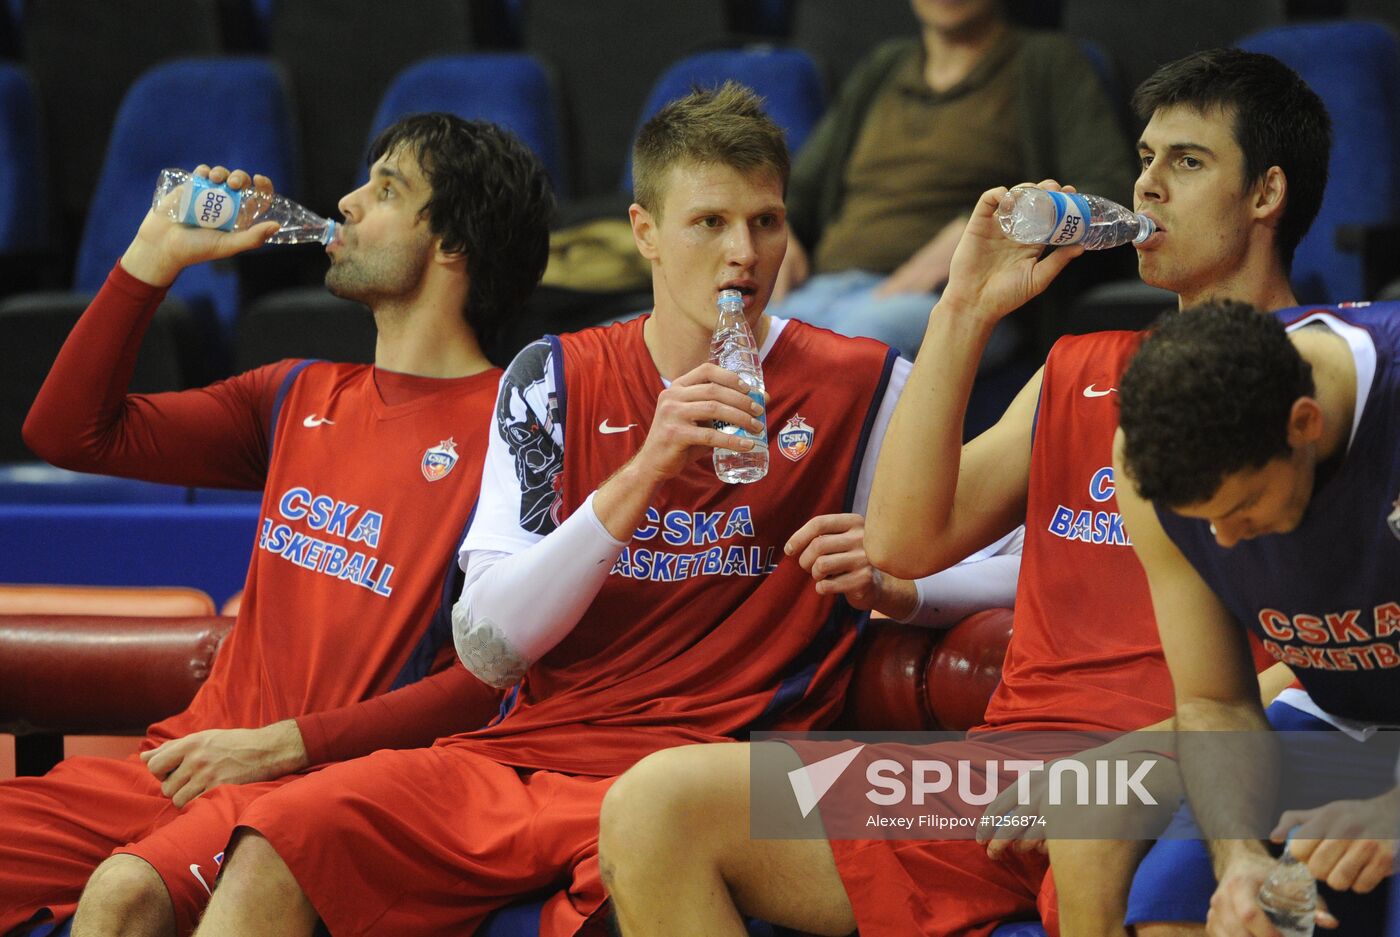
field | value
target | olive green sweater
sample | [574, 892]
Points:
[1069, 130]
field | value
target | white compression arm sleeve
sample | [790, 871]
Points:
[948, 597]
[986, 579]
[515, 607]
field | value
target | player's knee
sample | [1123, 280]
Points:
[650, 808]
[1168, 929]
[251, 859]
[127, 886]
[640, 804]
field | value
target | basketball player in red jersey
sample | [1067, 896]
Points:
[369, 475]
[631, 599]
[1233, 163]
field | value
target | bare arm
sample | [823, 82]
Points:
[935, 501]
[1229, 779]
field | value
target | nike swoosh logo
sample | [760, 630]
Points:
[607, 430]
[194, 870]
[313, 421]
[1092, 391]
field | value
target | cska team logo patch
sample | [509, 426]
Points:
[438, 461]
[795, 438]
[1393, 521]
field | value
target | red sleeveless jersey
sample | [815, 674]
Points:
[704, 628]
[1084, 652]
[347, 593]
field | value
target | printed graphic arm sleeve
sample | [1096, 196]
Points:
[531, 600]
[544, 573]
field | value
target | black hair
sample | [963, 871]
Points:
[491, 202]
[1208, 394]
[1278, 121]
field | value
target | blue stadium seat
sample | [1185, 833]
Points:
[84, 55]
[22, 212]
[339, 56]
[1355, 68]
[229, 111]
[49, 929]
[510, 89]
[224, 496]
[1146, 34]
[520, 920]
[787, 79]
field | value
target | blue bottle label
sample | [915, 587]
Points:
[761, 437]
[212, 206]
[1071, 218]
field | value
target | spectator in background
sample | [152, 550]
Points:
[369, 475]
[879, 193]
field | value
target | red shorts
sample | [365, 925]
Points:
[942, 888]
[936, 887]
[430, 841]
[60, 827]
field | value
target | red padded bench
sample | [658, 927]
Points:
[115, 675]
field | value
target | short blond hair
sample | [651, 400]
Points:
[725, 126]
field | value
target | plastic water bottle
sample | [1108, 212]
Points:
[733, 348]
[1036, 216]
[191, 199]
[1289, 897]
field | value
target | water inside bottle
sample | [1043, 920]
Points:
[736, 466]
[1292, 923]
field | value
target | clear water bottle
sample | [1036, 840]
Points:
[1036, 216]
[191, 199]
[733, 348]
[1289, 897]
